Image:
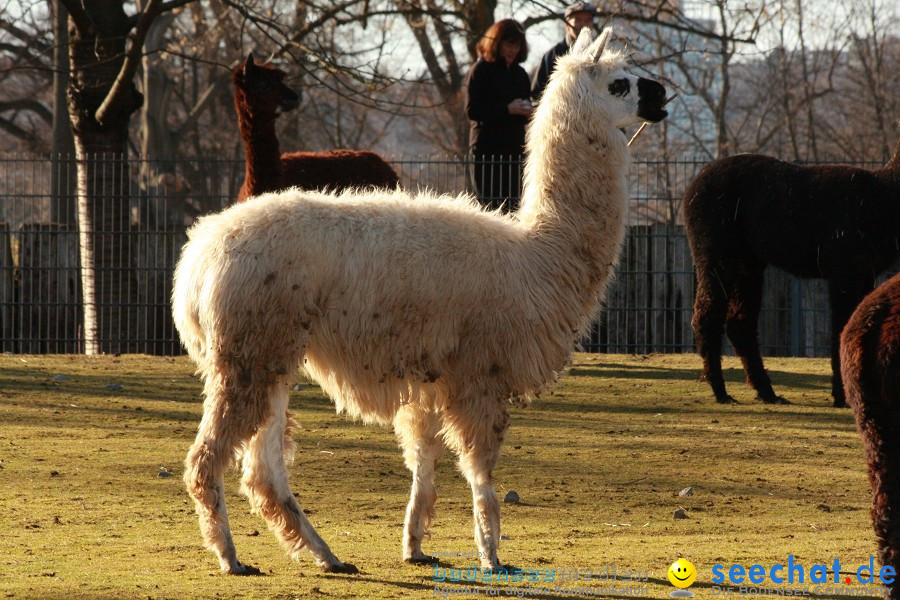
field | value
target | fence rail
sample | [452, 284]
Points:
[648, 308]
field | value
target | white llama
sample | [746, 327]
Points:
[426, 312]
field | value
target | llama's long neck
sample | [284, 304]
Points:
[263, 163]
[575, 198]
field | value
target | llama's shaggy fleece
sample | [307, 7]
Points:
[426, 312]
[745, 212]
[260, 96]
[870, 364]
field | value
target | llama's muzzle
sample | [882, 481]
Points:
[289, 99]
[651, 99]
[289, 104]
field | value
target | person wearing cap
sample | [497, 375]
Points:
[497, 103]
[578, 15]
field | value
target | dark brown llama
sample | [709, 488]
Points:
[260, 95]
[745, 212]
[870, 364]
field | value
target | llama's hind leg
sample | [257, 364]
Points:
[223, 428]
[265, 483]
[475, 430]
[742, 325]
[710, 307]
[418, 431]
[844, 294]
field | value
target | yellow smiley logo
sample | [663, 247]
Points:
[682, 573]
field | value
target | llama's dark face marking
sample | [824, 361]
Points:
[620, 87]
[632, 99]
[263, 88]
[651, 98]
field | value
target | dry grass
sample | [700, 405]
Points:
[598, 465]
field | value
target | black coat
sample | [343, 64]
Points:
[490, 87]
[548, 62]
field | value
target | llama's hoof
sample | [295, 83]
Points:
[420, 558]
[726, 399]
[776, 400]
[340, 567]
[840, 403]
[244, 570]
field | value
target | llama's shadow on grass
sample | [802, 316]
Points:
[139, 386]
[812, 381]
[795, 415]
[446, 589]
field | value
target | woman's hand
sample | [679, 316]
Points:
[520, 107]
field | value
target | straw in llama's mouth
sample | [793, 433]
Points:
[645, 123]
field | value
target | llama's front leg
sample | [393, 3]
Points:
[418, 433]
[477, 440]
[206, 462]
[265, 483]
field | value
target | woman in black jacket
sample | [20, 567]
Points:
[498, 106]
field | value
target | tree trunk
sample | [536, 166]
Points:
[96, 57]
[62, 170]
[158, 143]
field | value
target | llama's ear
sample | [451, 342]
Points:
[248, 63]
[599, 45]
[582, 43]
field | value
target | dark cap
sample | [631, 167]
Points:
[580, 7]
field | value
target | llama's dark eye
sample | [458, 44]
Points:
[263, 85]
[620, 87]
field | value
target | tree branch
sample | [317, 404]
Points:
[134, 19]
[23, 36]
[117, 92]
[12, 128]
[204, 101]
[28, 104]
[79, 16]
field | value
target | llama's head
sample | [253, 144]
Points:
[597, 77]
[259, 90]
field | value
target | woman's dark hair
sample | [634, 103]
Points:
[507, 30]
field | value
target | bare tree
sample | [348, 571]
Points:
[105, 46]
[875, 50]
[26, 76]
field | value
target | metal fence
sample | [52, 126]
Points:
[648, 307]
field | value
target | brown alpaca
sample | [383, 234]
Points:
[260, 95]
[870, 363]
[745, 212]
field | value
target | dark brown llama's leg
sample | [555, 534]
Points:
[710, 305]
[844, 293]
[742, 326]
[871, 375]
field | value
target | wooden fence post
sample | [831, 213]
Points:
[7, 289]
[48, 302]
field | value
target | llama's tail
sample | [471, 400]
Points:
[187, 290]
